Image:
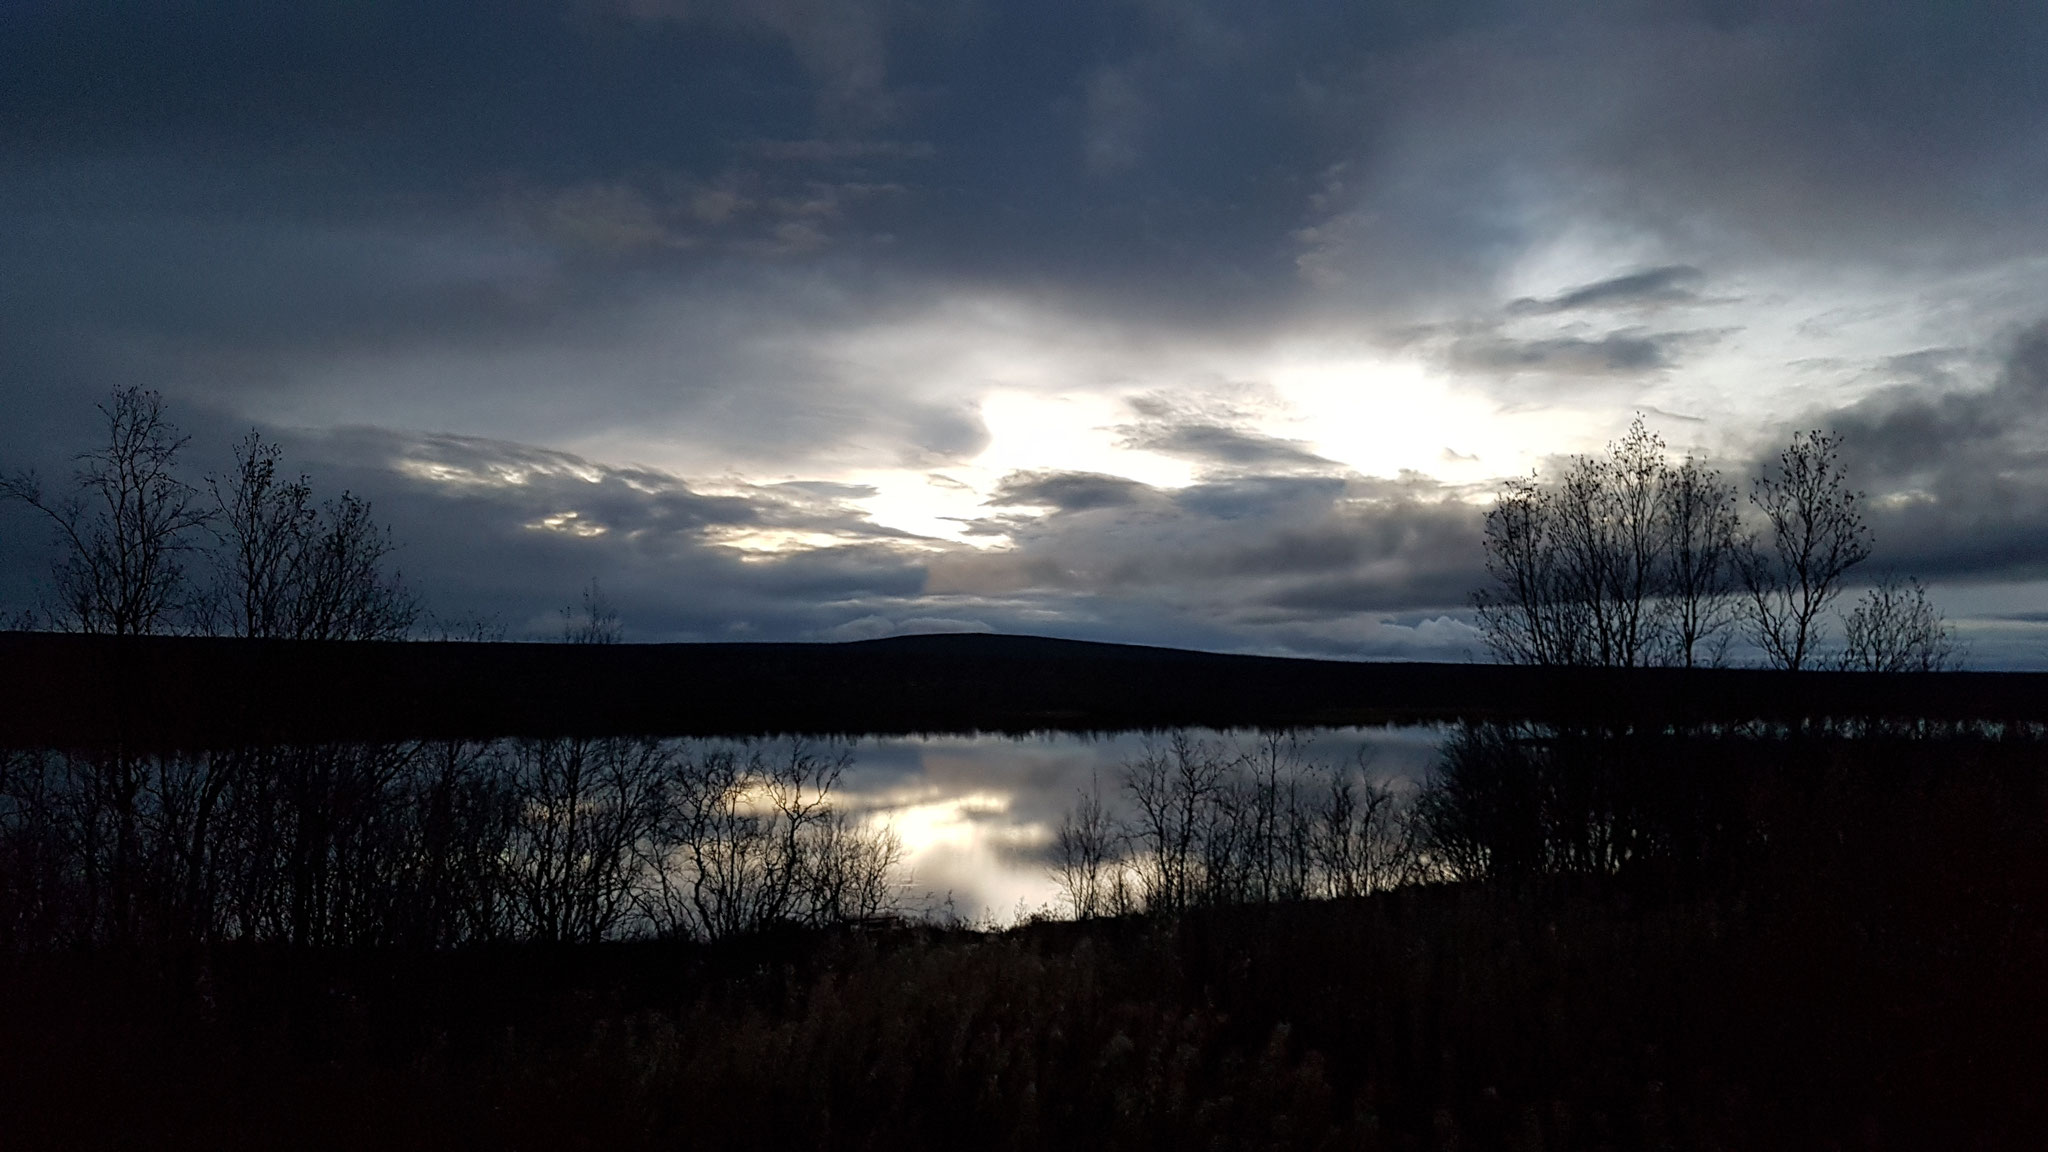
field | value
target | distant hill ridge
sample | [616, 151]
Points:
[200, 691]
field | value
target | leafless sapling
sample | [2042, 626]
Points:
[1895, 627]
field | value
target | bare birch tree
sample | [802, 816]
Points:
[1085, 854]
[289, 568]
[126, 525]
[1699, 574]
[1613, 564]
[1813, 534]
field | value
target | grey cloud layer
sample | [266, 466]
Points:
[1280, 563]
[581, 222]
[1960, 476]
[1251, 552]
[1187, 154]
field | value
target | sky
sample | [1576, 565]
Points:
[1213, 325]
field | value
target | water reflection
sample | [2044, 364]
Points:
[437, 843]
[977, 814]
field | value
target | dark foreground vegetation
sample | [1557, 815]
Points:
[1817, 935]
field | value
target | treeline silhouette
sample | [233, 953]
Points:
[430, 844]
[1625, 559]
[140, 551]
[1662, 810]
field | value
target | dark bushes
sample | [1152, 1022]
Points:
[1436, 1016]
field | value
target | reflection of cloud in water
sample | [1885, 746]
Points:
[972, 846]
[977, 813]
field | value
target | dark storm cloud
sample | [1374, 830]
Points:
[1107, 144]
[1174, 161]
[456, 326]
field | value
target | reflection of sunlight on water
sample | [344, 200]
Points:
[972, 847]
[977, 814]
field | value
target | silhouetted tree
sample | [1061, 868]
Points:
[1813, 535]
[1896, 628]
[263, 524]
[1613, 543]
[458, 808]
[851, 871]
[286, 567]
[594, 621]
[1530, 615]
[1479, 814]
[124, 530]
[1213, 825]
[1358, 837]
[749, 839]
[125, 526]
[1260, 848]
[1085, 855]
[584, 810]
[1622, 561]
[347, 595]
[1698, 585]
[1173, 786]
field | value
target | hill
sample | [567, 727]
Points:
[194, 691]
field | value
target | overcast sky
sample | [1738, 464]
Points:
[1201, 324]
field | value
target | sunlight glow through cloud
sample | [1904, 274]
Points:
[1384, 418]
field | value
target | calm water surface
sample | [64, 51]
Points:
[977, 814]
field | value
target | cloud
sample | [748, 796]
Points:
[875, 627]
[1650, 288]
[1619, 354]
[1068, 491]
[1229, 563]
[1250, 550]
[1957, 479]
[843, 150]
[1113, 138]
[842, 44]
[1219, 446]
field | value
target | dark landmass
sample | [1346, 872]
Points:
[1632, 935]
[72, 691]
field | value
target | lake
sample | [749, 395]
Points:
[977, 814]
